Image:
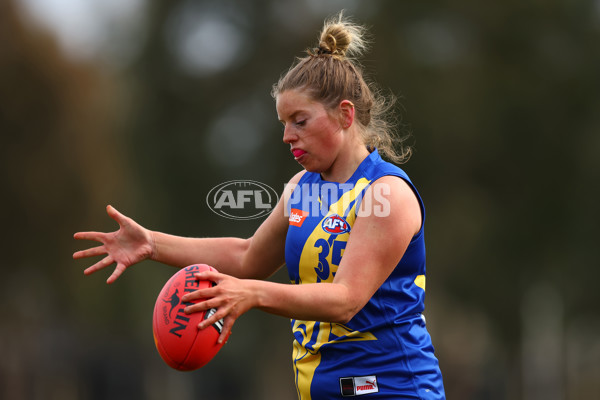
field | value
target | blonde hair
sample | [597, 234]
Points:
[331, 73]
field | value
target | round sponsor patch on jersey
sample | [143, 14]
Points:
[335, 225]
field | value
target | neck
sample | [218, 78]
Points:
[345, 164]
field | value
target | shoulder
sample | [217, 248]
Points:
[274, 228]
[397, 184]
[291, 185]
[296, 178]
[390, 200]
[381, 168]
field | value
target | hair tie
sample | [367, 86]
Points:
[321, 51]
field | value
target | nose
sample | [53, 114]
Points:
[288, 135]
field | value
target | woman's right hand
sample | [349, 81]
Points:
[127, 246]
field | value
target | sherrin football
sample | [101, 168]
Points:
[178, 340]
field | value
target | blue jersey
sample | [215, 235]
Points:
[385, 351]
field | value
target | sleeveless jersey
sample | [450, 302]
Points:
[385, 351]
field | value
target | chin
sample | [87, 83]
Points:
[312, 168]
[315, 167]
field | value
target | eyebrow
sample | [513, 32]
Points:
[291, 116]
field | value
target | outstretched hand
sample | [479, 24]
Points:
[127, 246]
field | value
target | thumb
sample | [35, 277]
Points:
[114, 214]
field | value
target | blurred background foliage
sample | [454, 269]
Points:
[146, 105]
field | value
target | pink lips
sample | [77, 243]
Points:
[298, 152]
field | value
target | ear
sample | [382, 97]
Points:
[346, 113]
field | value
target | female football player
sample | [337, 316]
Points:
[349, 229]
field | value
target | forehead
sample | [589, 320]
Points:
[291, 98]
[294, 101]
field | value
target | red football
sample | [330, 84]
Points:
[179, 341]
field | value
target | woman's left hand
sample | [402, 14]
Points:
[231, 297]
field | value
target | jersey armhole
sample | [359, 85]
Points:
[415, 192]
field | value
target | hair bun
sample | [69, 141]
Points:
[334, 40]
[341, 37]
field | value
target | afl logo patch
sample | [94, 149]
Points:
[335, 225]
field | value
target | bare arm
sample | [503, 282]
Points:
[257, 257]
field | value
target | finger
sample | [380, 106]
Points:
[198, 307]
[105, 262]
[97, 236]
[198, 295]
[116, 273]
[220, 314]
[226, 331]
[95, 251]
[114, 214]
[212, 276]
